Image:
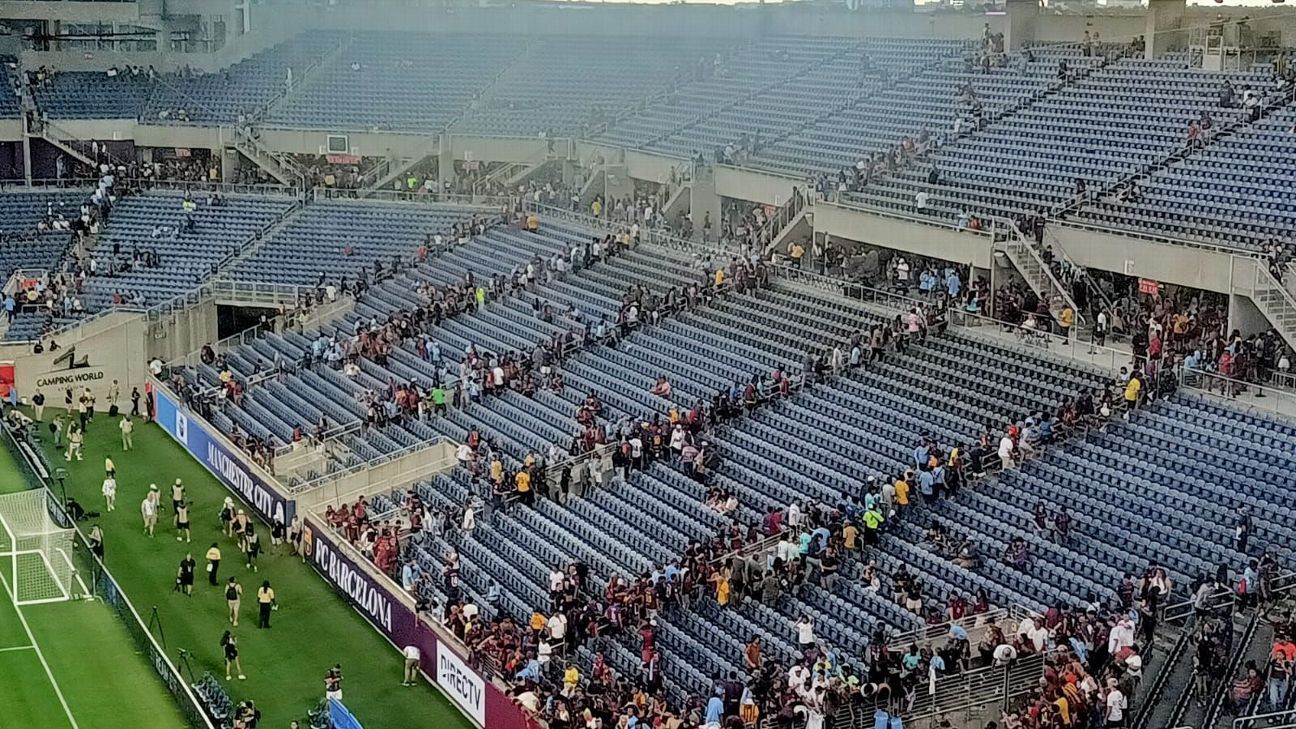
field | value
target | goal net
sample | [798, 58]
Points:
[35, 552]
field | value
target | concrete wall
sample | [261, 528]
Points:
[363, 143]
[500, 149]
[160, 135]
[941, 242]
[1245, 317]
[116, 346]
[761, 187]
[651, 167]
[418, 465]
[1201, 268]
[113, 348]
[10, 130]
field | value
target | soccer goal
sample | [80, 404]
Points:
[35, 551]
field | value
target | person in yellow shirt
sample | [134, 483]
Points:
[532, 223]
[497, 471]
[901, 492]
[1066, 319]
[538, 622]
[797, 252]
[1132, 390]
[850, 535]
[522, 481]
[571, 677]
[265, 603]
[719, 277]
[596, 207]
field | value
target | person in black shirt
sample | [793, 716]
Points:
[185, 576]
[230, 646]
[135, 400]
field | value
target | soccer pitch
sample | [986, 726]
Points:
[285, 664]
[54, 676]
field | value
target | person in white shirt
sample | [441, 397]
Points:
[1121, 636]
[1116, 704]
[794, 515]
[805, 632]
[556, 580]
[148, 509]
[1004, 654]
[1038, 635]
[796, 676]
[558, 627]
[127, 433]
[412, 656]
[1006, 452]
[110, 493]
[786, 549]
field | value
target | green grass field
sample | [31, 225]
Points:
[313, 629]
[33, 697]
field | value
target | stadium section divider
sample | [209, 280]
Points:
[105, 586]
[383, 603]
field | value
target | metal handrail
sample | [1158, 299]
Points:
[323, 480]
[1026, 244]
[1271, 401]
[1285, 719]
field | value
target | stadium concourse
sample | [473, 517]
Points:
[696, 484]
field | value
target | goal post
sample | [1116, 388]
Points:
[36, 551]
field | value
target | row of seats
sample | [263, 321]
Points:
[556, 85]
[406, 82]
[820, 445]
[1120, 120]
[94, 95]
[242, 90]
[154, 222]
[336, 239]
[725, 85]
[930, 100]
[1235, 191]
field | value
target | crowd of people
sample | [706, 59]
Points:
[813, 544]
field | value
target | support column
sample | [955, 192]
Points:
[445, 162]
[704, 202]
[26, 151]
[1164, 28]
[1019, 24]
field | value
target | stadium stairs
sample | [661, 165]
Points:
[866, 423]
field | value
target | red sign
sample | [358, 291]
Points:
[1149, 287]
[343, 159]
[182, 151]
[7, 379]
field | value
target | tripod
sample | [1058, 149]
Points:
[185, 667]
[155, 620]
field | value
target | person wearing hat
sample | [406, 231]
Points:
[241, 523]
[177, 495]
[227, 517]
[148, 510]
